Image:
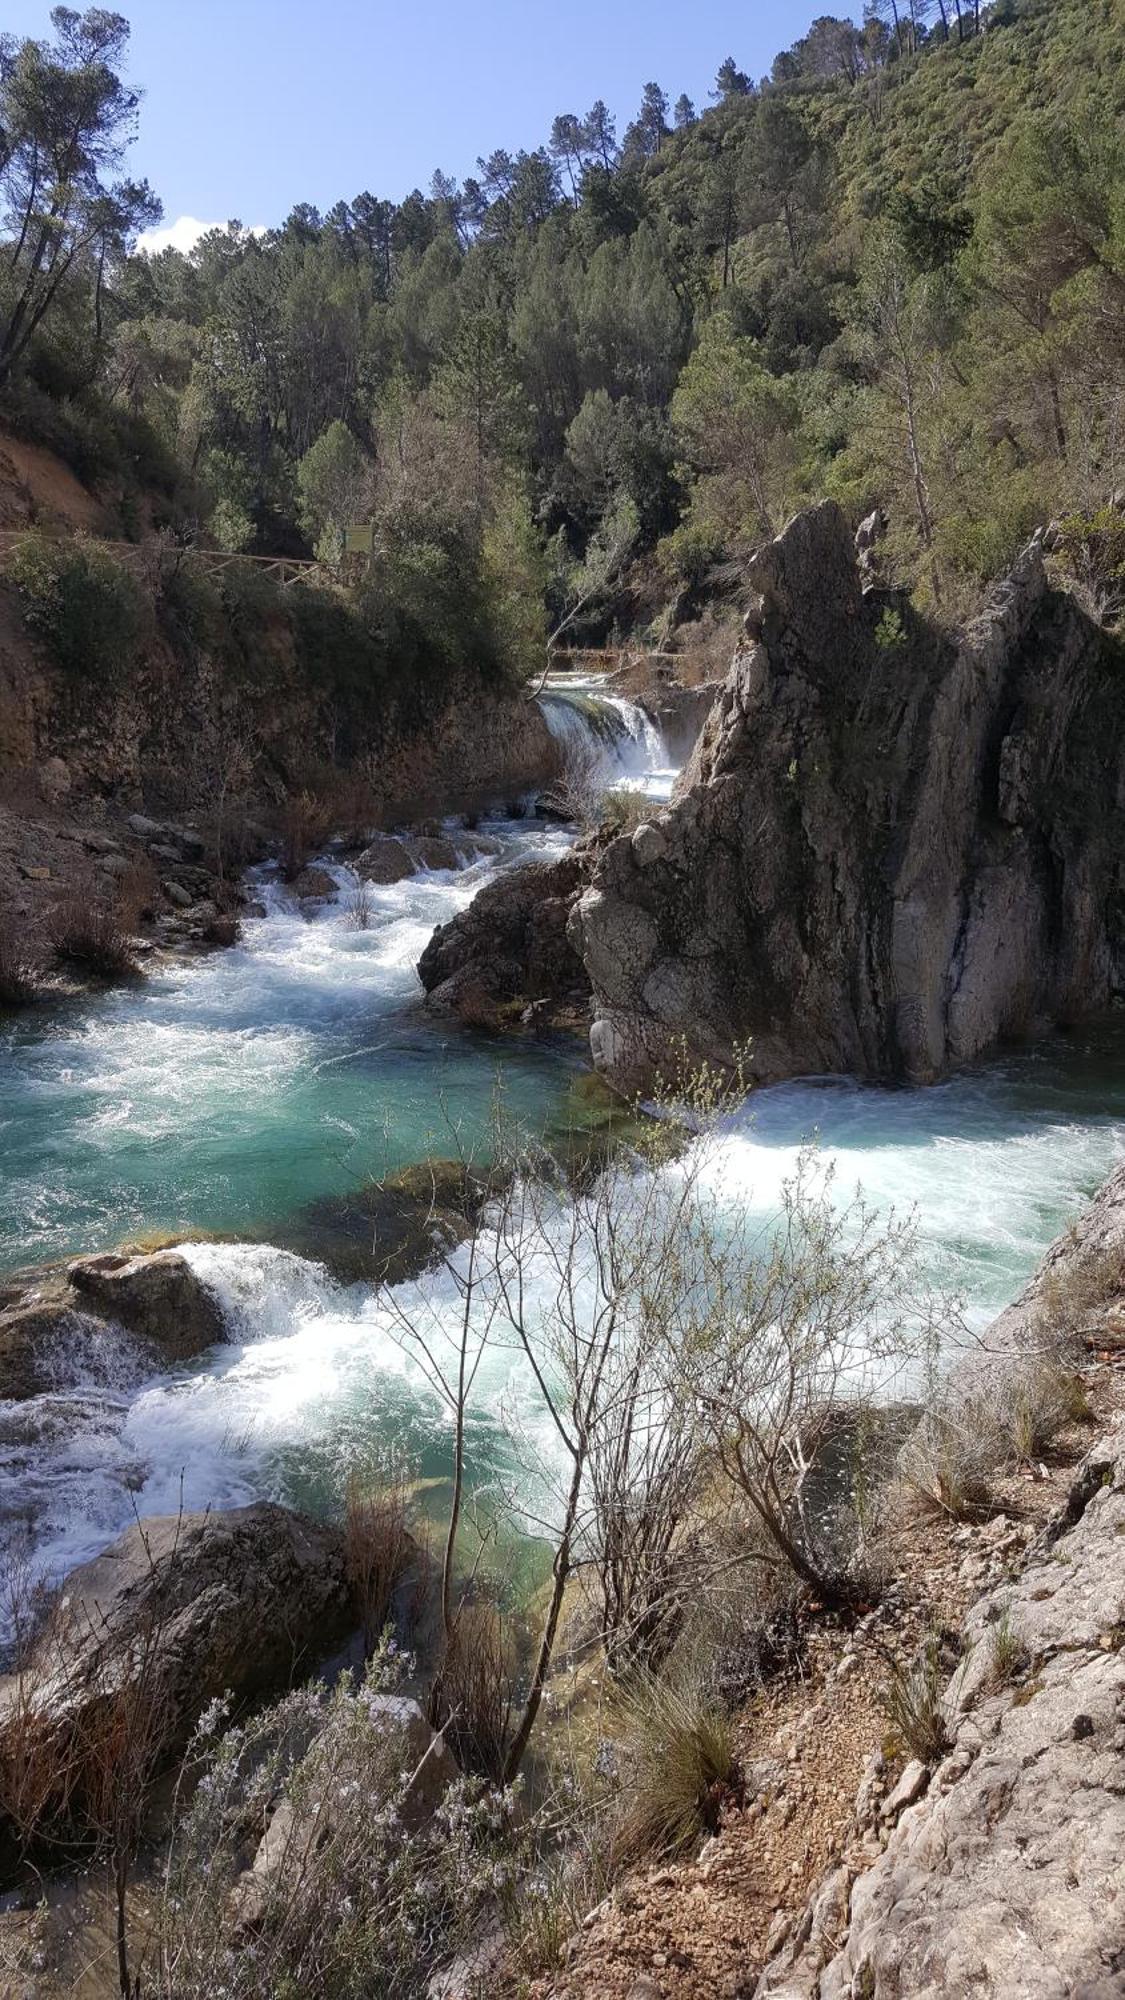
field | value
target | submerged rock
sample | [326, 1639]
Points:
[390, 1230]
[891, 849]
[315, 885]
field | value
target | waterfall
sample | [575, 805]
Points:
[590, 722]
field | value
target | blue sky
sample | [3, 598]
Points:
[254, 105]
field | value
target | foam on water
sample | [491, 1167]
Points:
[314, 1380]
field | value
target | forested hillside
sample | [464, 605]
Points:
[892, 272]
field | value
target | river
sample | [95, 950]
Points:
[228, 1091]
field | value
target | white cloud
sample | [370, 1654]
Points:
[183, 234]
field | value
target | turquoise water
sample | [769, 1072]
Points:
[226, 1092]
[314, 1381]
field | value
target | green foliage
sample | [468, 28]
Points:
[890, 632]
[330, 479]
[91, 612]
[1092, 546]
[894, 274]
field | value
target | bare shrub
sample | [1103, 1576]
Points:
[378, 1547]
[223, 775]
[90, 936]
[138, 893]
[779, 1335]
[578, 792]
[473, 1696]
[625, 808]
[678, 1769]
[360, 907]
[665, 1336]
[305, 824]
[19, 964]
[912, 1705]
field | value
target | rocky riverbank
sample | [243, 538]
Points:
[926, 1796]
[862, 1865]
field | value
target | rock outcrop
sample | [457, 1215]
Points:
[509, 951]
[230, 1602]
[55, 1323]
[890, 849]
[1002, 1877]
[157, 1297]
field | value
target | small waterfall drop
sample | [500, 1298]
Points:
[590, 722]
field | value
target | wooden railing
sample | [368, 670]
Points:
[133, 555]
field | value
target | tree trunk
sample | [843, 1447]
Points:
[560, 1571]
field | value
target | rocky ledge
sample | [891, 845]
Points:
[1002, 1875]
[892, 847]
[213, 1604]
[156, 1300]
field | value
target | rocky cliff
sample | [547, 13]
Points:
[162, 729]
[891, 849]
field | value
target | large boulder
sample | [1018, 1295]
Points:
[384, 861]
[232, 1602]
[157, 1297]
[509, 950]
[64, 1327]
[892, 847]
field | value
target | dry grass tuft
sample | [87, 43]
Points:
[379, 1549]
[472, 1698]
[912, 1706]
[679, 1768]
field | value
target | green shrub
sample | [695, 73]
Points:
[88, 608]
[191, 606]
[889, 632]
[1092, 547]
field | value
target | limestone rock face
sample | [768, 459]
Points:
[889, 850]
[1004, 1880]
[229, 1601]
